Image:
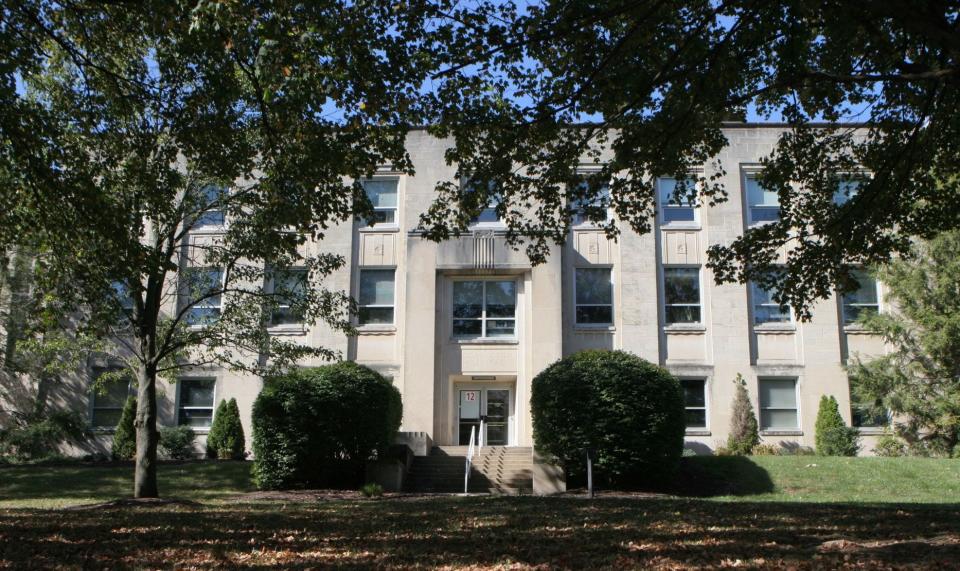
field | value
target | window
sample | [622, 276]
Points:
[108, 401]
[383, 195]
[288, 286]
[122, 294]
[484, 308]
[594, 296]
[695, 402]
[203, 290]
[583, 206]
[195, 402]
[864, 416]
[778, 404]
[681, 294]
[762, 205]
[863, 301]
[214, 214]
[846, 189]
[488, 215]
[765, 309]
[376, 297]
[673, 213]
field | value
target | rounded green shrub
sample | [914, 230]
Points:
[319, 426]
[628, 411]
[125, 436]
[176, 442]
[832, 436]
[226, 439]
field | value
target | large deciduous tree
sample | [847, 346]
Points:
[918, 380]
[652, 85]
[130, 127]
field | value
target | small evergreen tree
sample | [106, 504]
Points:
[226, 438]
[744, 434]
[833, 437]
[125, 436]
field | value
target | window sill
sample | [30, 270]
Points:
[775, 328]
[287, 331]
[675, 226]
[487, 226]
[485, 341]
[857, 330]
[781, 433]
[587, 227]
[378, 228]
[872, 430]
[685, 329]
[376, 329]
[590, 328]
[697, 432]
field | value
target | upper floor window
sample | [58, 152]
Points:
[214, 213]
[376, 297]
[695, 402]
[484, 308]
[488, 214]
[122, 294]
[594, 296]
[108, 401]
[583, 207]
[765, 309]
[778, 404]
[383, 196]
[195, 402]
[846, 189]
[672, 212]
[202, 289]
[762, 205]
[288, 286]
[865, 300]
[681, 295]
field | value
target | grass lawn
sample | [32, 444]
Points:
[774, 512]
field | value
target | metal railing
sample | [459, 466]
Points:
[466, 476]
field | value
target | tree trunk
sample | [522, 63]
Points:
[145, 472]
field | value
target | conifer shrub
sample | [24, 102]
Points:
[176, 442]
[744, 432]
[628, 411]
[832, 436]
[226, 439]
[125, 436]
[318, 427]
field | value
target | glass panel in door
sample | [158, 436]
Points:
[498, 412]
[469, 414]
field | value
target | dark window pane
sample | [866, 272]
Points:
[500, 328]
[681, 285]
[375, 316]
[467, 327]
[595, 314]
[501, 299]
[683, 314]
[594, 286]
[693, 391]
[678, 214]
[376, 287]
[696, 418]
[765, 214]
[195, 417]
[196, 393]
[203, 315]
[467, 299]
[106, 418]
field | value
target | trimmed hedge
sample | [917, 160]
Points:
[176, 442]
[318, 427]
[628, 410]
[226, 439]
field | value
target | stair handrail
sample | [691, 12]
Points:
[466, 476]
[480, 437]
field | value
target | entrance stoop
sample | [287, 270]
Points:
[495, 470]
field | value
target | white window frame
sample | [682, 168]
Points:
[699, 304]
[611, 305]
[579, 220]
[844, 304]
[748, 174]
[206, 303]
[796, 400]
[392, 306]
[280, 304]
[212, 408]
[211, 228]
[492, 202]
[669, 204]
[96, 372]
[706, 404]
[366, 224]
[483, 312]
[790, 322]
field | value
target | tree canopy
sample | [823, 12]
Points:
[651, 86]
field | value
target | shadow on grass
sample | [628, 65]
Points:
[455, 532]
[708, 476]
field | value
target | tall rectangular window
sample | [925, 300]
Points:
[288, 286]
[195, 402]
[863, 415]
[597, 205]
[672, 212]
[376, 298]
[681, 295]
[488, 214]
[202, 289]
[846, 189]
[383, 195]
[695, 402]
[214, 213]
[778, 404]
[108, 401]
[484, 308]
[762, 205]
[863, 301]
[765, 309]
[594, 296]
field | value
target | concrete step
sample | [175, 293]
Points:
[495, 469]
